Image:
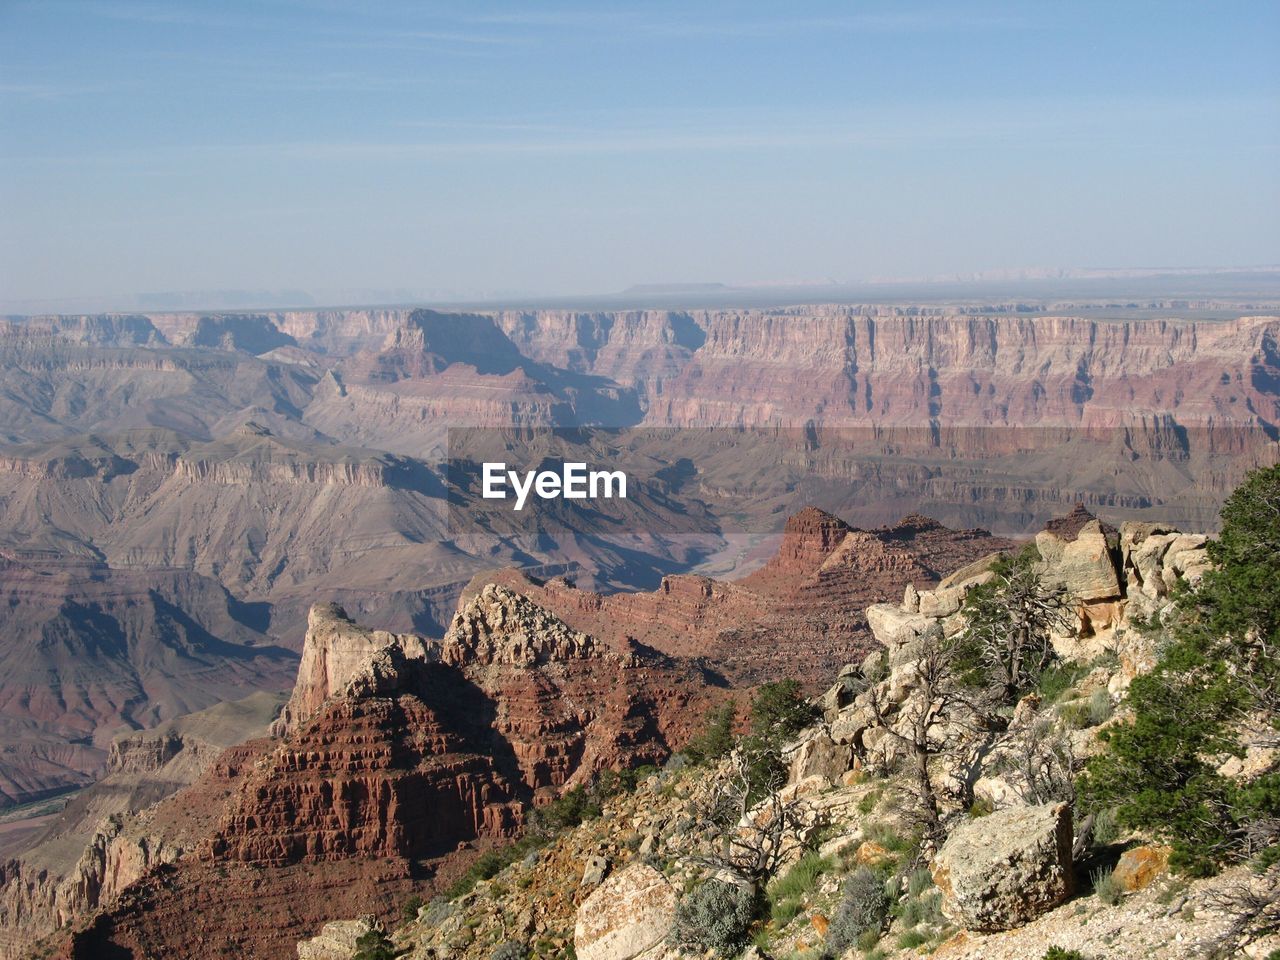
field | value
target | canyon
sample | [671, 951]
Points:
[178, 489]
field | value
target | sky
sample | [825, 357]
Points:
[472, 150]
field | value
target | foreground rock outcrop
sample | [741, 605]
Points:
[1011, 880]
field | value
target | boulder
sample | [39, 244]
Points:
[1050, 546]
[941, 602]
[1140, 866]
[337, 940]
[1186, 558]
[910, 599]
[1084, 566]
[873, 666]
[1146, 562]
[593, 872]
[821, 756]
[971, 574]
[1006, 869]
[627, 914]
[850, 722]
[897, 631]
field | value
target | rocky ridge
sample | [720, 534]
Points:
[801, 612]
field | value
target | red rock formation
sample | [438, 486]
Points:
[391, 758]
[800, 615]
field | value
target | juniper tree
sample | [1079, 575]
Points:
[1211, 696]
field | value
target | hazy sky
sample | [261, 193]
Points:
[582, 147]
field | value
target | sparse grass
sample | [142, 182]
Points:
[1176, 888]
[1109, 660]
[1106, 887]
[919, 881]
[1100, 707]
[869, 802]
[1062, 953]
[891, 838]
[1075, 714]
[784, 911]
[800, 879]
[868, 939]
[910, 939]
[922, 909]
[1106, 830]
[1059, 679]
[762, 940]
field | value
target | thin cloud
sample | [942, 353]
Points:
[54, 91]
[626, 23]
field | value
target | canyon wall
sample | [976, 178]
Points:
[255, 462]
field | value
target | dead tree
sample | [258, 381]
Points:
[1009, 624]
[750, 841]
[940, 715]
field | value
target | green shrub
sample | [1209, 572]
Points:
[487, 865]
[1058, 679]
[1009, 619]
[779, 711]
[374, 945]
[510, 950]
[715, 916]
[718, 738]
[863, 906]
[1062, 953]
[410, 909]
